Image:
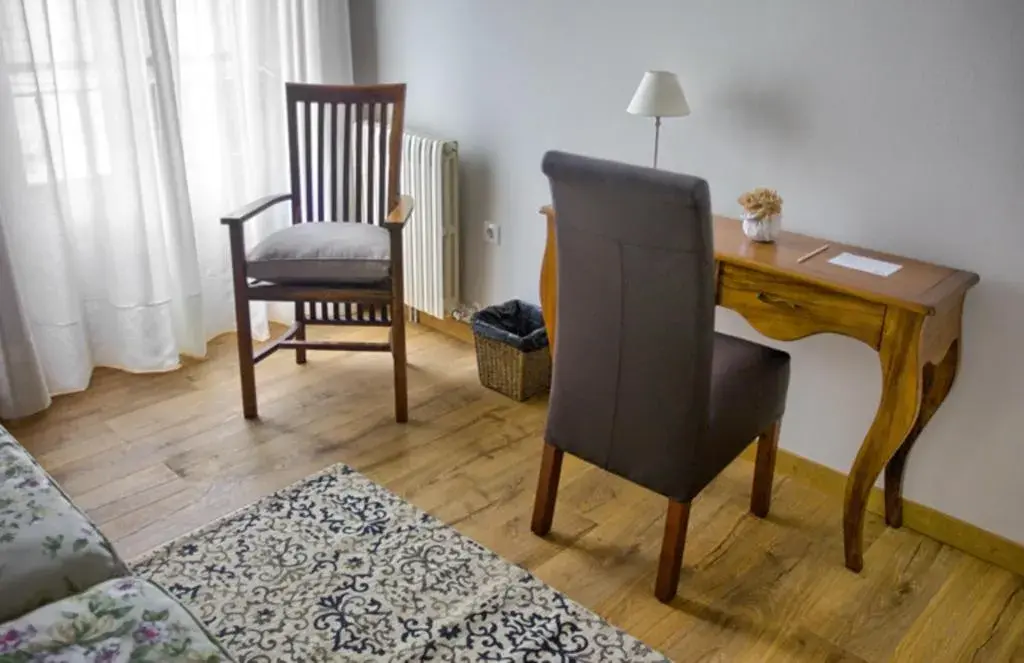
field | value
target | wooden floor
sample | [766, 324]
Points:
[151, 457]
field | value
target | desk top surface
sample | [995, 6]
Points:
[919, 286]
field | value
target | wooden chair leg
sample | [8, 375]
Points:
[398, 353]
[547, 490]
[300, 333]
[671, 560]
[764, 471]
[398, 326]
[246, 364]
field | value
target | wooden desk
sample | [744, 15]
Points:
[911, 318]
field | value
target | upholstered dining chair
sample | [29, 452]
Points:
[340, 261]
[643, 386]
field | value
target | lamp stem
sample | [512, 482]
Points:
[657, 135]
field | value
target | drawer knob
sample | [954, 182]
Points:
[774, 300]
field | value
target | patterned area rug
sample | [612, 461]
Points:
[336, 568]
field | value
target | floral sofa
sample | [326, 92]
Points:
[65, 595]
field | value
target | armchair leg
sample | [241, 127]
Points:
[300, 333]
[401, 377]
[398, 326]
[764, 471]
[246, 364]
[547, 490]
[671, 560]
[246, 367]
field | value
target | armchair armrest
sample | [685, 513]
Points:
[400, 214]
[243, 214]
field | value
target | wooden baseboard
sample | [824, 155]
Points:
[940, 526]
[447, 326]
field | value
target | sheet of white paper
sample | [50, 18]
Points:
[865, 264]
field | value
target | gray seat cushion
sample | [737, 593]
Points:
[328, 253]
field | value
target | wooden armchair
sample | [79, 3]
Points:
[341, 259]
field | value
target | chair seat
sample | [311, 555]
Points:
[330, 253]
[748, 394]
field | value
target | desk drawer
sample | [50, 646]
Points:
[786, 309]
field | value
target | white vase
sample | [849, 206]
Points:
[762, 230]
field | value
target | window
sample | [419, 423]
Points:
[49, 56]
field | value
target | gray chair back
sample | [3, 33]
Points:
[636, 306]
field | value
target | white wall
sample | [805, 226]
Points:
[336, 42]
[894, 125]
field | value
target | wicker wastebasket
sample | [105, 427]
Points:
[512, 353]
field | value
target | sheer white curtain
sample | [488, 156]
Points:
[129, 127]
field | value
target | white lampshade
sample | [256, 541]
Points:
[659, 95]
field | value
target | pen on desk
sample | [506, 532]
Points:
[808, 256]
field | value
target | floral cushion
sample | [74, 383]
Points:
[121, 620]
[48, 548]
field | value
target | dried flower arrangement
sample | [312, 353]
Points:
[761, 203]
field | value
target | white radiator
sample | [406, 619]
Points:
[430, 174]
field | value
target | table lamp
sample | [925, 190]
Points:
[659, 95]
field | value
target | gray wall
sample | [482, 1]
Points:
[894, 125]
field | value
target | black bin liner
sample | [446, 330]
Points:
[516, 323]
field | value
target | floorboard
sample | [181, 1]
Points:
[152, 457]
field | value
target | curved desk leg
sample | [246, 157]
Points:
[937, 381]
[900, 354]
[940, 357]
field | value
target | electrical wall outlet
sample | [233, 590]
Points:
[492, 233]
